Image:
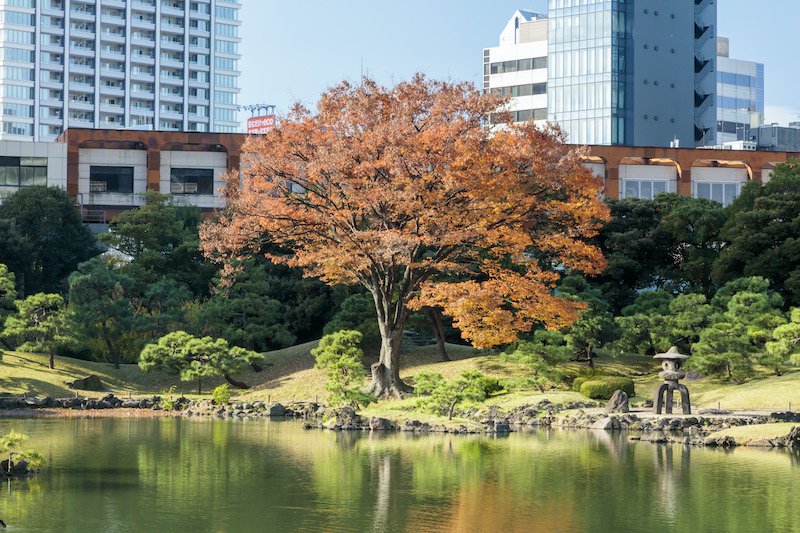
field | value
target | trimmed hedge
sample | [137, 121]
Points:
[603, 388]
[577, 382]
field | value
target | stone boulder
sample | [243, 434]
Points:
[91, 382]
[380, 424]
[276, 410]
[792, 440]
[618, 403]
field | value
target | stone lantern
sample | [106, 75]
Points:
[671, 362]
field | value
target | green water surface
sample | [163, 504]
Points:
[179, 475]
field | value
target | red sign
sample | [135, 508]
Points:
[260, 125]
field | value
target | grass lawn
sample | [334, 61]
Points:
[28, 374]
[290, 375]
[747, 434]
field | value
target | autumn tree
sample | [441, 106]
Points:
[406, 192]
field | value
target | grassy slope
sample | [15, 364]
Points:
[291, 376]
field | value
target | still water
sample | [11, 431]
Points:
[175, 475]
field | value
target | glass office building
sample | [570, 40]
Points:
[588, 80]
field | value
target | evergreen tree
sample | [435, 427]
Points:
[52, 237]
[40, 325]
[100, 299]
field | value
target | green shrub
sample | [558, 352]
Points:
[603, 388]
[339, 356]
[489, 385]
[577, 382]
[222, 394]
[442, 396]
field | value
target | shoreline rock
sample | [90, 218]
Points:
[645, 427]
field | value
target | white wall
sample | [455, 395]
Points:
[217, 161]
[719, 174]
[648, 172]
[598, 169]
[56, 154]
[112, 158]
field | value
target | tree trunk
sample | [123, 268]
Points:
[199, 385]
[589, 356]
[451, 410]
[386, 382]
[112, 353]
[52, 361]
[435, 317]
[235, 383]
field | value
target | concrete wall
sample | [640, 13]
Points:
[216, 161]
[56, 154]
[112, 158]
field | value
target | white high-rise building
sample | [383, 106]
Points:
[142, 64]
[517, 67]
[740, 95]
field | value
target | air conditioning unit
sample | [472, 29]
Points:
[98, 186]
[190, 188]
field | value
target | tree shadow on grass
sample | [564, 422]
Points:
[35, 387]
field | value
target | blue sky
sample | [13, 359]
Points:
[292, 51]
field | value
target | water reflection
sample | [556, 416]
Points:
[180, 475]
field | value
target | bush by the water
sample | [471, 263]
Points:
[441, 396]
[222, 394]
[602, 388]
[339, 356]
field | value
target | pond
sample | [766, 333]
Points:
[182, 475]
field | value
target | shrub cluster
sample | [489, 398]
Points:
[602, 388]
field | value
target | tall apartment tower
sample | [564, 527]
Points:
[635, 72]
[141, 64]
[740, 95]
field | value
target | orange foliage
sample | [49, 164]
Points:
[405, 191]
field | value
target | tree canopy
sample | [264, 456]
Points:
[762, 233]
[163, 241]
[194, 358]
[45, 239]
[40, 325]
[100, 298]
[403, 189]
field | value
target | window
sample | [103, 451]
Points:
[226, 47]
[111, 179]
[724, 193]
[643, 189]
[192, 181]
[227, 30]
[226, 115]
[225, 63]
[224, 97]
[18, 128]
[17, 54]
[17, 110]
[23, 171]
[17, 37]
[227, 13]
[223, 80]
